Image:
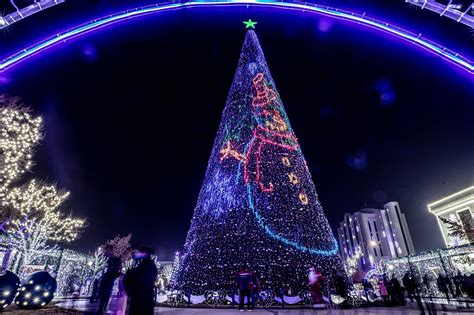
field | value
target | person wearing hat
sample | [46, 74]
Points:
[140, 282]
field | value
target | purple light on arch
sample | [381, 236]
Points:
[416, 39]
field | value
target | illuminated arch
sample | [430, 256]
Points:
[416, 39]
[449, 10]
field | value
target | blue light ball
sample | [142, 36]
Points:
[36, 291]
[9, 284]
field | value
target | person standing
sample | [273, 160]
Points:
[245, 284]
[340, 285]
[390, 290]
[114, 265]
[397, 291]
[408, 284]
[383, 292]
[139, 283]
[256, 288]
[316, 280]
[468, 285]
[414, 291]
[367, 289]
[458, 283]
[443, 286]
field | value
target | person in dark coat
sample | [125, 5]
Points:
[114, 266]
[468, 285]
[368, 288]
[458, 283]
[413, 289]
[442, 283]
[340, 285]
[245, 284]
[140, 283]
[390, 291]
[409, 286]
[397, 292]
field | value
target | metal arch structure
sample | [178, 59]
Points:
[448, 10]
[453, 57]
[23, 13]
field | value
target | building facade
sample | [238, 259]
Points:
[459, 208]
[371, 235]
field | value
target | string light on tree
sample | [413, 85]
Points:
[120, 246]
[174, 272]
[20, 132]
[352, 263]
[97, 263]
[37, 219]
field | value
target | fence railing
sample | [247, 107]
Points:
[278, 299]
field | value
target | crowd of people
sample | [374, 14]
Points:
[136, 286]
[411, 287]
[392, 291]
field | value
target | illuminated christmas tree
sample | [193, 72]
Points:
[174, 272]
[258, 205]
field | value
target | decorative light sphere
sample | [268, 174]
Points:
[9, 284]
[36, 291]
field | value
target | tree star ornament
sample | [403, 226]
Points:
[250, 24]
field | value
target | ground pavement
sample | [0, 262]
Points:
[82, 306]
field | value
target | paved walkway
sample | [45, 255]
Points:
[365, 311]
[87, 308]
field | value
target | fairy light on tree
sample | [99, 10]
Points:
[459, 228]
[352, 263]
[97, 263]
[175, 268]
[37, 220]
[165, 277]
[20, 132]
[258, 204]
[120, 247]
[31, 211]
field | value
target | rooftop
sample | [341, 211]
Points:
[458, 198]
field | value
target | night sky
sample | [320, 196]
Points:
[131, 112]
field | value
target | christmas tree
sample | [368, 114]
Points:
[258, 205]
[174, 272]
